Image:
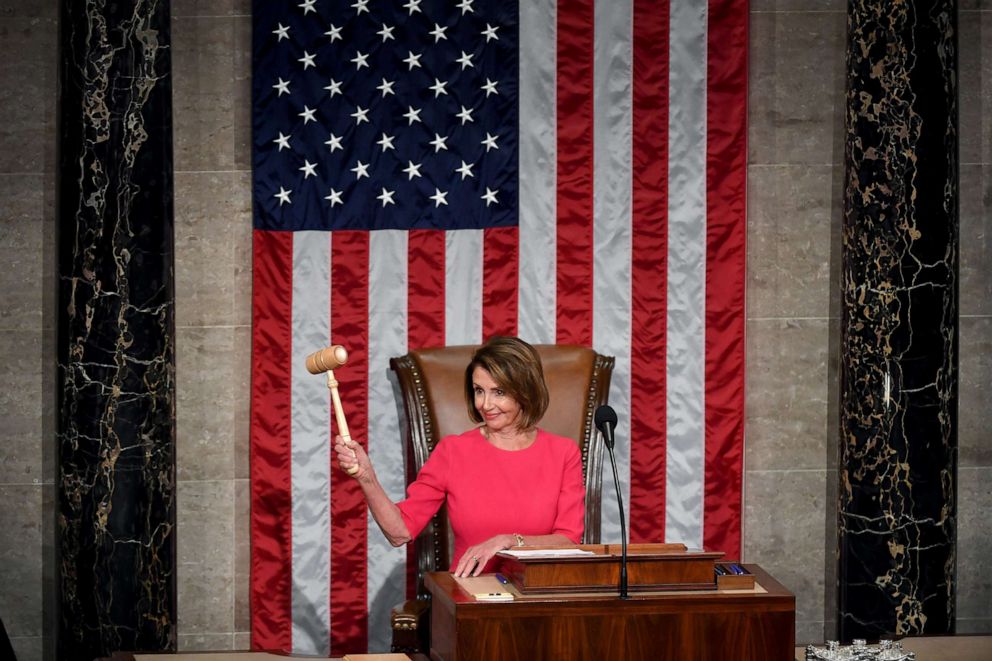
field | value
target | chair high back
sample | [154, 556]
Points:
[432, 386]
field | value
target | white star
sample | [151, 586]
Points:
[361, 60]
[334, 33]
[360, 115]
[412, 61]
[438, 143]
[438, 33]
[282, 86]
[361, 5]
[308, 115]
[412, 115]
[465, 6]
[490, 196]
[386, 196]
[307, 60]
[333, 88]
[307, 6]
[490, 33]
[412, 170]
[439, 198]
[308, 169]
[334, 143]
[283, 141]
[465, 170]
[282, 32]
[334, 197]
[386, 32]
[386, 87]
[412, 6]
[465, 60]
[360, 170]
[465, 115]
[283, 196]
[490, 87]
[438, 88]
[490, 141]
[386, 142]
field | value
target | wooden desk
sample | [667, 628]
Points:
[705, 625]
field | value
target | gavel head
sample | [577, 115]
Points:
[327, 359]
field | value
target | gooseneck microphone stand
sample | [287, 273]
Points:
[606, 422]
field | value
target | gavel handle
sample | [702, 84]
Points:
[332, 384]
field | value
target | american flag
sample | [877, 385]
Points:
[435, 172]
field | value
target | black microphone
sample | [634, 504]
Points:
[606, 423]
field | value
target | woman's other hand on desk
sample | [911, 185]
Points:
[476, 557]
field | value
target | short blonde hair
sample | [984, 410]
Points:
[516, 367]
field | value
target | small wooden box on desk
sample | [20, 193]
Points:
[650, 568]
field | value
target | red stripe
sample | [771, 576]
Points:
[499, 281]
[575, 35]
[350, 327]
[425, 321]
[425, 288]
[649, 270]
[271, 510]
[726, 168]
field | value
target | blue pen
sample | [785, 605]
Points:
[737, 569]
[501, 579]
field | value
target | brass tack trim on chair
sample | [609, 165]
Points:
[436, 522]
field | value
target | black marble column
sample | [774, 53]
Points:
[897, 510]
[116, 431]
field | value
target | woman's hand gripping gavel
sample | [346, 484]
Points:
[328, 360]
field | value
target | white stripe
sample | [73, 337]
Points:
[538, 158]
[686, 272]
[387, 338]
[463, 287]
[311, 420]
[612, 113]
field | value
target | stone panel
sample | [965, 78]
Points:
[21, 397]
[28, 71]
[242, 556]
[786, 518]
[975, 393]
[22, 245]
[975, 274]
[213, 249]
[21, 563]
[212, 93]
[794, 215]
[788, 388]
[796, 88]
[974, 563]
[212, 370]
[205, 534]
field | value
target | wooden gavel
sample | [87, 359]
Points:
[328, 360]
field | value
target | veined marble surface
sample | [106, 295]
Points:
[899, 350]
[116, 437]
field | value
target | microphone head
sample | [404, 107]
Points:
[605, 415]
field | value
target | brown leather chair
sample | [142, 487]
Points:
[432, 385]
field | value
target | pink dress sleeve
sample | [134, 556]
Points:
[570, 519]
[427, 493]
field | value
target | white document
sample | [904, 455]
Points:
[546, 553]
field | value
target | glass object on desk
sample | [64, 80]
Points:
[859, 650]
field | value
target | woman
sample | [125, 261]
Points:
[506, 482]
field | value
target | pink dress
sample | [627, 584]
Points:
[535, 491]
